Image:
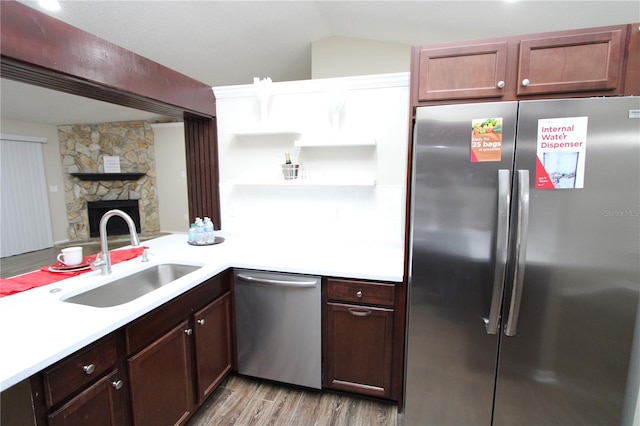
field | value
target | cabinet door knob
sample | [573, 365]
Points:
[500, 84]
[89, 369]
[117, 385]
[188, 331]
[200, 321]
[359, 294]
[525, 82]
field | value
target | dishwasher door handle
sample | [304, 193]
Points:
[282, 283]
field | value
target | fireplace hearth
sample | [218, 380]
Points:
[116, 225]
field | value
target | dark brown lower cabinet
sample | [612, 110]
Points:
[359, 337]
[359, 341]
[99, 405]
[88, 387]
[160, 379]
[179, 353]
[212, 332]
[156, 370]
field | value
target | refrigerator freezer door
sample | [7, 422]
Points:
[451, 358]
[567, 363]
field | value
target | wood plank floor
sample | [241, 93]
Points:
[245, 401]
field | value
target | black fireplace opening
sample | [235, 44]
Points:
[116, 225]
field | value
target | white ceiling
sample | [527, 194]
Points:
[230, 42]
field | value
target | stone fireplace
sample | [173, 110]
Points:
[82, 148]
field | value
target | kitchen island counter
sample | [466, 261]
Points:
[39, 329]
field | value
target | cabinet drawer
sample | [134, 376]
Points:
[361, 292]
[71, 374]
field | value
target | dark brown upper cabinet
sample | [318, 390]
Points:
[462, 72]
[576, 63]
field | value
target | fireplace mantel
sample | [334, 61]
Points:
[108, 176]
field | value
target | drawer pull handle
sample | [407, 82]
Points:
[359, 294]
[360, 312]
[89, 369]
[500, 84]
[117, 385]
[200, 321]
[188, 331]
[526, 82]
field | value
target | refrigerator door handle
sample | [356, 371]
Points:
[520, 252]
[502, 242]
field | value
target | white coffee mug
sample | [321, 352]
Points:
[71, 256]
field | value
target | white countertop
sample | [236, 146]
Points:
[37, 329]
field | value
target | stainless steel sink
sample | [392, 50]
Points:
[132, 286]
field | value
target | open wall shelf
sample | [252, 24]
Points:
[108, 176]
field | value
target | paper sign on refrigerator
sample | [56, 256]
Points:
[561, 152]
[486, 139]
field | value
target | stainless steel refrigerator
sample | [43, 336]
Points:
[524, 263]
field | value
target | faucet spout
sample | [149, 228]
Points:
[104, 261]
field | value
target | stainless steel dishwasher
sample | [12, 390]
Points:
[278, 326]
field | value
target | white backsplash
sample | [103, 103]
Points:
[373, 214]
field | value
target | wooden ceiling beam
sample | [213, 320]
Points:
[38, 49]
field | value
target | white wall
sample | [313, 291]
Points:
[171, 177]
[53, 170]
[329, 202]
[346, 56]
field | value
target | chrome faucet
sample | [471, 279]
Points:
[103, 260]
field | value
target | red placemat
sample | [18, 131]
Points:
[44, 276]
